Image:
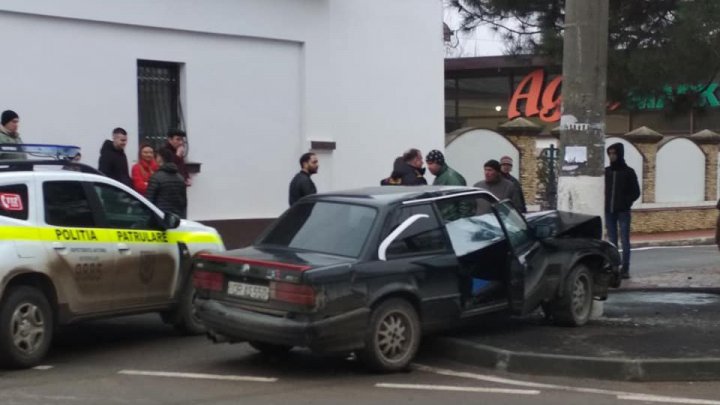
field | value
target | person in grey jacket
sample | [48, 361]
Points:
[9, 122]
[166, 188]
[498, 185]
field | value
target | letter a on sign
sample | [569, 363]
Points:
[11, 202]
[535, 81]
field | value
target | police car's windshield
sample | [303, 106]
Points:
[324, 227]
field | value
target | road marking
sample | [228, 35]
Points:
[457, 388]
[667, 400]
[198, 376]
[42, 367]
[618, 394]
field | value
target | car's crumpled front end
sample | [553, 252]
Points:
[578, 232]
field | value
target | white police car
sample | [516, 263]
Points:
[76, 245]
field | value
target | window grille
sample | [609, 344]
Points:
[159, 107]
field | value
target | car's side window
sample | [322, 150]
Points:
[122, 210]
[515, 225]
[14, 201]
[470, 222]
[423, 236]
[66, 204]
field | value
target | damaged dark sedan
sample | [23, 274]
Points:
[371, 270]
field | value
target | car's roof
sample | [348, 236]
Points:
[385, 195]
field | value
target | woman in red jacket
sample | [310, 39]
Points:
[144, 168]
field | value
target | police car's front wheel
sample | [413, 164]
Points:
[26, 327]
[183, 317]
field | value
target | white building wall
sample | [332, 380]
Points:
[261, 80]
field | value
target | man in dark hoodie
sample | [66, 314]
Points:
[621, 190]
[113, 162]
[166, 188]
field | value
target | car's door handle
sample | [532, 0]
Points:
[58, 246]
[123, 247]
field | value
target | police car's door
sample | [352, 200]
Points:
[146, 261]
[81, 258]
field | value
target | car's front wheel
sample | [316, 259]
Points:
[26, 327]
[393, 336]
[184, 317]
[575, 305]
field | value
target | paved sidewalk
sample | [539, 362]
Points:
[680, 238]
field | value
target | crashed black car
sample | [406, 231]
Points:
[371, 270]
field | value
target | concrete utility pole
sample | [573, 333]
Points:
[582, 124]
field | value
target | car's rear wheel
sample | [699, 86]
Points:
[26, 327]
[392, 337]
[270, 349]
[575, 305]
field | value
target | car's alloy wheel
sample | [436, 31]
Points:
[574, 306]
[393, 336]
[26, 327]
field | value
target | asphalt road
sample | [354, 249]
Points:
[138, 360]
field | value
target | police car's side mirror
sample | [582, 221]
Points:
[170, 221]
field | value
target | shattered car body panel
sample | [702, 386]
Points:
[451, 253]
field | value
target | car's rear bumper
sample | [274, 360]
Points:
[335, 333]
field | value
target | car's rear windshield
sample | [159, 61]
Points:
[324, 227]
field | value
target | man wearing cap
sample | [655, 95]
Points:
[506, 164]
[444, 174]
[9, 122]
[495, 183]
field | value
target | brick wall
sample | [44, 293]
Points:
[655, 220]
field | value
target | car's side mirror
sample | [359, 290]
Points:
[170, 221]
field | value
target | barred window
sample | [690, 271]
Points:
[159, 106]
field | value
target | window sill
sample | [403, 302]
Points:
[193, 167]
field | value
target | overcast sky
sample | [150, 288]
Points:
[481, 42]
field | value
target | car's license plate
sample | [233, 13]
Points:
[251, 291]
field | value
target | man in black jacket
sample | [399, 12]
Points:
[621, 190]
[166, 188]
[302, 185]
[113, 162]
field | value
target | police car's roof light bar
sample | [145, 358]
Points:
[59, 152]
[29, 165]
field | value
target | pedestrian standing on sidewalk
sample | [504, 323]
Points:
[176, 143]
[411, 171]
[9, 123]
[302, 185]
[166, 188]
[621, 190]
[144, 168]
[113, 162]
[506, 164]
[444, 174]
[497, 184]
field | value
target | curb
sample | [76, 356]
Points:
[673, 242]
[475, 354]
